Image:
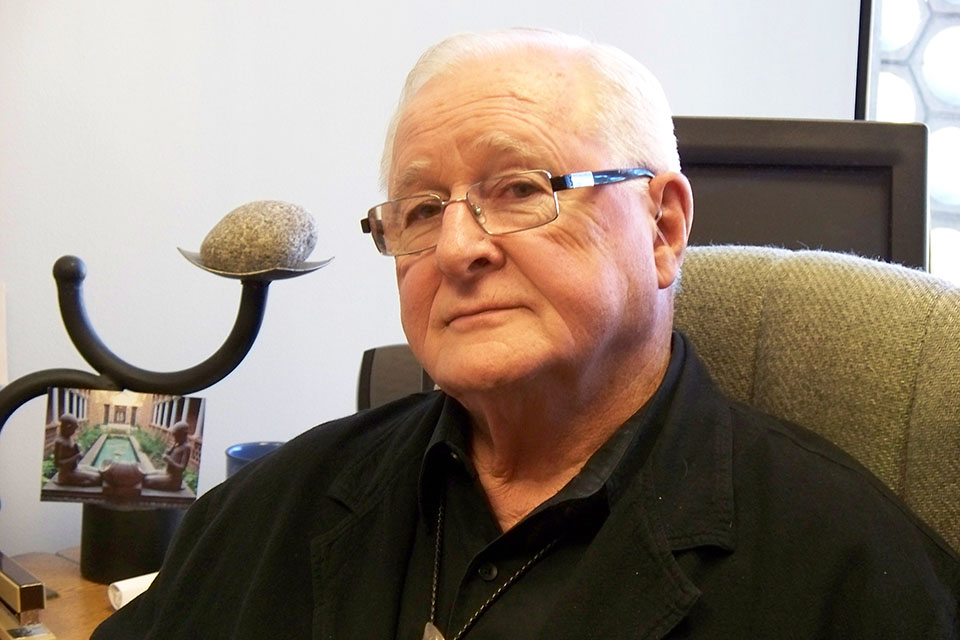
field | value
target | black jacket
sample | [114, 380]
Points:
[739, 526]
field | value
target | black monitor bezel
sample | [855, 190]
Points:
[782, 143]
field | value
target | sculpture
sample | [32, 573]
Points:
[67, 454]
[122, 480]
[176, 458]
[255, 272]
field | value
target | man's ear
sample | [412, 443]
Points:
[672, 193]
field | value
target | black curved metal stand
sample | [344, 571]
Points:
[118, 543]
[115, 373]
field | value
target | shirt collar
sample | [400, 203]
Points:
[447, 450]
[688, 480]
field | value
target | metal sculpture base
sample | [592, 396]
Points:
[121, 543]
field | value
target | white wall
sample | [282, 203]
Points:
[129, 128]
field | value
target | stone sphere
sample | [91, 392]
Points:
[259, 236]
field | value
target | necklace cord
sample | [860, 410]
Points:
[436, 563]
[495, 595]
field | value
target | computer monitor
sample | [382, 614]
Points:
[849, 186]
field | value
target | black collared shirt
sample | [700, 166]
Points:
[477, 558]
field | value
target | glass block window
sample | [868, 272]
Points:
[917, 46]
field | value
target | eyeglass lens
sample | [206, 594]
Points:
[500, 205]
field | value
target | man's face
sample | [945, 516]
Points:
[557, 303]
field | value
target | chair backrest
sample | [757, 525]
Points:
[388, 373]
[865, 353]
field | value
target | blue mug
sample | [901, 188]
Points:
[240, 454]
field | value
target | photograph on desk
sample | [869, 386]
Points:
[121, 447]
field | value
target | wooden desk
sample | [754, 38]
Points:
[80, 605]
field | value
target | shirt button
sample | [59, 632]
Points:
[487, 571]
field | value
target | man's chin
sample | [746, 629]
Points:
[463, 375]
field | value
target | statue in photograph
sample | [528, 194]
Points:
[177, 458]
[67, 454]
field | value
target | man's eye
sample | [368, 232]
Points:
[521, 189]
[423, 211]
[517, 188]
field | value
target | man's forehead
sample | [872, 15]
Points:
[520, 112]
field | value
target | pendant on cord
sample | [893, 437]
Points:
[430, 632]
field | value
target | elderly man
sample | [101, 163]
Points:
[578, 476]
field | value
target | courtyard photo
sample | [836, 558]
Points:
[121, 447]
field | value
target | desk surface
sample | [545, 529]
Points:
[79, 606]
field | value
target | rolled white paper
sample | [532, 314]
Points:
[123, 591]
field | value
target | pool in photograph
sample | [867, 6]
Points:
[116, 449]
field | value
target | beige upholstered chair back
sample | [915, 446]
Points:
[865, 353]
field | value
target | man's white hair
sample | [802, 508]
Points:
[633, 116]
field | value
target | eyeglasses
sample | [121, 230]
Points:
[501, 205]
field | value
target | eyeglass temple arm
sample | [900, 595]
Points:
[594, 178]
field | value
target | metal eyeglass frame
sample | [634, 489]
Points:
[577, 180]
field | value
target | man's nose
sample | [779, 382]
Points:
[463, 246]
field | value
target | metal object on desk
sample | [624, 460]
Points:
[22, 597]
[118, 543]
[11, 629]
[75, 606]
